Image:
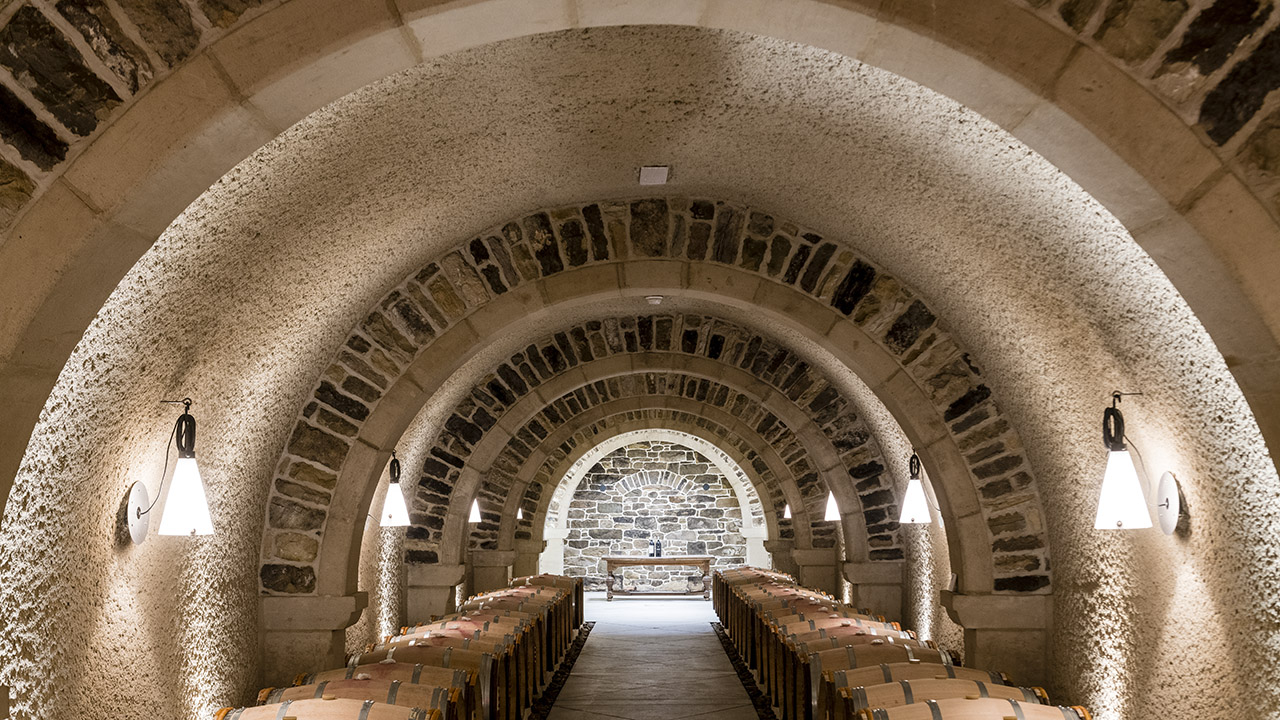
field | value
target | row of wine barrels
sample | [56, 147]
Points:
[487, 661]
[819, 659]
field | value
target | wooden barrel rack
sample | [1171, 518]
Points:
[489, 660]
[816, 658]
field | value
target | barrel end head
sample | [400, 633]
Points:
[264, 693]
[1082, 712]
[222, 713]
[300, 679]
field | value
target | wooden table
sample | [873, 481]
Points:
[614, 562]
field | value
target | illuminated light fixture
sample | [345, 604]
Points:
[394, 511]
[519, 513]
[1121, 505]
[475, 512]
[833, 511]
[653, 299]
[654, 174]
[915, 508]
[786, 512]
[186, 510]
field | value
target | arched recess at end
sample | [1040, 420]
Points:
[556, 526]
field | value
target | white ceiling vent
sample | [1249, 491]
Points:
[654, 174]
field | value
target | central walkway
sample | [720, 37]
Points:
[652, 659]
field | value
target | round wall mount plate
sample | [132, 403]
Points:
[139, 522]
[1168, 506]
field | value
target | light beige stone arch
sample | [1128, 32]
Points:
[93, 219]
[556, 527]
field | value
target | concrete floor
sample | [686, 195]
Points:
[652, 659]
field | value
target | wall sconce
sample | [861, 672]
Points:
[475, 512]
[915, 508]
[186, 511]
[833, 511]
[1121, 504]
[394, 511]
[786, 512]
[519, 513]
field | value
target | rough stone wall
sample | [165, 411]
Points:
[653, 490]
[928, 571]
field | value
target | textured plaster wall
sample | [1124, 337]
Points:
[245, 299]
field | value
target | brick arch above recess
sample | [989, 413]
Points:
[710, 249]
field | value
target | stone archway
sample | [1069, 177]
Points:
[754, 529]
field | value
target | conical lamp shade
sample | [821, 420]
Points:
[833, 511]
[1121, 506]
[394, 511]
[915, 509]
[475, 511]
[186, 511]
[519, 513]
[786, 512]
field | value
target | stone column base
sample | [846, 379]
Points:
[818, 569]
[527, 553]
[1009, 633]
[430, 590]
[306, 633]
[490, 569]
[877, 586]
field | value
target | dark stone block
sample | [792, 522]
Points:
[662, 333]
[633, 534]
[999, 466]
[702, 210]
[605, 534]
[479, 252]
[647, 523]
[537, 230]
[288, 578]
[414, 532]
[500, 255]
[464, 429]
[381, 331]
[1214, 34]
[885, 527]
[996, 489]
[699, 237]
[94, 21]
[345, 404]
[760, 224]
[1023, 583]
[287, 515]
[624, 520]
[595, 228]
[779, 248]
[1076, 13]
[301, 492]
[447, 456]
[224, 13]
[907, 328]
[701, 523]
[878, 498]
[575, 242]
[303, 472]
[15, 191]
[689, 341]
[886, 554]
[421, 557]
[650, 220]
[494, 279]
[1016, 563]
[336, 423]
[1241, 93]
[1025, 542]
[500, 392]
[728, 235]
[562, 342]
[813, 273]
[166, 26]
[318, 446]
[49, 66]
[34, 140]
[483, 419]
[966, 402]
[359, 344]
[875, 516]
[797, 264]
[1006, 523]
[360, 389]
[512, 379]
[989, 451]
[753, 250]
[695, 547]
[969, 421]
[866, 470]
